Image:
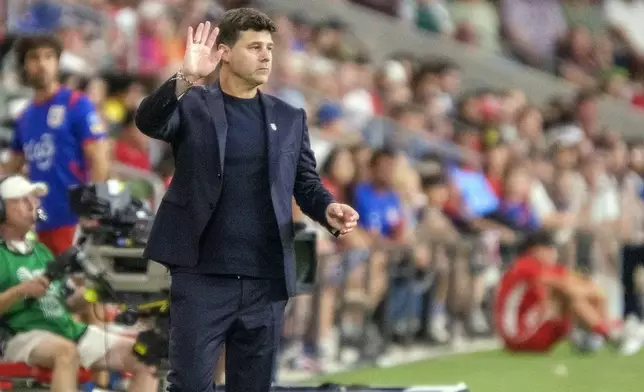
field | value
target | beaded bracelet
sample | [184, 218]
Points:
[181, 76]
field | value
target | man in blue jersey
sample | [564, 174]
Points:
[379, 206]
[59, 136]
[381, 216]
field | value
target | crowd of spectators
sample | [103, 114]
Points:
[445, 180]
[596, 44]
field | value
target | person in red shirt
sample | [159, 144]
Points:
[338, 171]
[131, 147]
[537, 301]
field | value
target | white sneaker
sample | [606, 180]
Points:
[631, 345]
[458, 342]
[328, 348]
[478, 322]
[633, 340]
[438, 329]
[631, 324]
[584, 341]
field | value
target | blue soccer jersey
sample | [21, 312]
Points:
[51, 136]
[380, 212]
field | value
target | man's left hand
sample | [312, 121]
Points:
[342, 217]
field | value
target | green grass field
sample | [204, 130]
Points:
[497, 371]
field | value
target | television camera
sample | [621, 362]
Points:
[110, 255]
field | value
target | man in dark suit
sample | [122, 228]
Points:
[224, 227]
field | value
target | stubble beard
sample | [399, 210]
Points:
[251, 80]
[39, 82]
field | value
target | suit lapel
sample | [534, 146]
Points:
[215, 101]
[272, 137]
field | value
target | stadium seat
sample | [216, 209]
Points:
[18, 371]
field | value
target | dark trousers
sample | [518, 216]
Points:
[207, 311]
[632, 257]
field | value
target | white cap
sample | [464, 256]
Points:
[151, 10]
[14, 187]
[566, 136]
[395, 71]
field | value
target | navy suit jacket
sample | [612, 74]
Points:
[195, 126]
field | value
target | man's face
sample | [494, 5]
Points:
[587, 112]
[546, 254]
[518, 183]
[21, 212]
[251, 56]
[383, 171]
[566, 157]
[593, 170]
[413, 121]
[617, 158]
[438, 195]
[451, 81]
[41, 67]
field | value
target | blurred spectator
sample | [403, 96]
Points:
[328, 39]
[411, 118]
[532, 29]
[330, 121]
[338, 172]
[474, 197]
[380, 208]
[131, 146]
[39, 17]
[437, 227]
[633, 250]
[433, 15]
[389, 7]
[578, 60]
[586, 114]
[588, 13]
[359, 100]
[97, 91]
[496, 167]
[407, 184]
[624, 17]
[529, 123]
[515, 210]
[477, 22]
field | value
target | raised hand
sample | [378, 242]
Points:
[200, 60]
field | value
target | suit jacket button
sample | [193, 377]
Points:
[212, 206]
[218, 174]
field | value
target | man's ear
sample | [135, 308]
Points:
[225, 54]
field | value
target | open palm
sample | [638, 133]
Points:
[200, 60]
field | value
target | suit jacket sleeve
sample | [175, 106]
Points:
[312, 198]
[158, 114]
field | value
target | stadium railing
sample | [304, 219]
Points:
[413, 282]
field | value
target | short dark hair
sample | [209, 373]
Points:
[25, 44]
[401, 109]
[433, 180]
[378, 155]
[443, 66]
[242, 19]
[536, 239]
